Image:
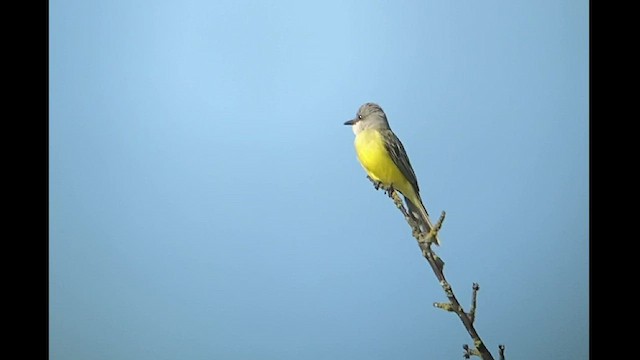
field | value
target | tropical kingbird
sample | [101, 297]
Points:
[383, 157]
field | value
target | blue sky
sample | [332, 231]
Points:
[206, 201]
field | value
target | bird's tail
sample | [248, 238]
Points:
[420, 214]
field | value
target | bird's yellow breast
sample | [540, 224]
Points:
[375, 159]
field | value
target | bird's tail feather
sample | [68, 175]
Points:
[420, 214]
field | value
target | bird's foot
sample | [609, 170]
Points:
[389, 190]
[376, 184]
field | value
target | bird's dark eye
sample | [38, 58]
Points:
[360, 117]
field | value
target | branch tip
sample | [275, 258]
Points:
[474, 296]
[444, 306]
[501, 351]
[440, 221]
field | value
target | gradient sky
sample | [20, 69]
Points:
[206, 201]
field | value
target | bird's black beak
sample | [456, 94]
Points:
[351, 122]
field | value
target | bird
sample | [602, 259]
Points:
[385, 160]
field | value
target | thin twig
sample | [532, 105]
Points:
[474, 295]
[437, 265]
[501, 351]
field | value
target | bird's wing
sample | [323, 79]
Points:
[399, 156]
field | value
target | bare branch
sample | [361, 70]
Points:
[437, 265]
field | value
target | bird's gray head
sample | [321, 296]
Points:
[370, 116]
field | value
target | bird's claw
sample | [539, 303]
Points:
[389, 190]
[376, 184]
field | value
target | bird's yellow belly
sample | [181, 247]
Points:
[376, 161]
